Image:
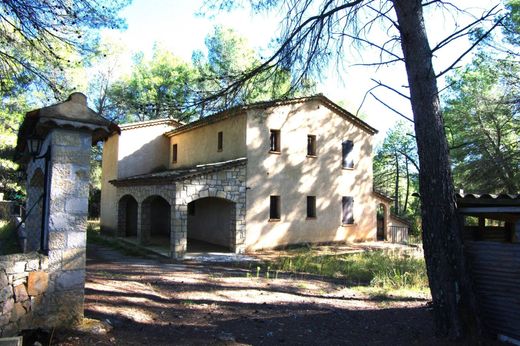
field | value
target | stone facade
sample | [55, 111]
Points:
[46, 289]
[228, 184]
[34, 295]
[34, 202]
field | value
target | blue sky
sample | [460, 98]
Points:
[175, 25]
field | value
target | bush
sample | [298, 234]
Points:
[375, 268]
[8, 239]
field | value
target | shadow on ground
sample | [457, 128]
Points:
[154, 303]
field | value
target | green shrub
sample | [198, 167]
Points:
[8, 239]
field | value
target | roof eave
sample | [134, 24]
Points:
[268, 104]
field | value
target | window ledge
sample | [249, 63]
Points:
[348, 168]
[311, 218]
[348, 224]
[275, 152]
[273, 220]
[312, 156]
[219, 150]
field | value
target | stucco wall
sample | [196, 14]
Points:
[138, 150]
[396, 223]
[142, 150]
[108, 214]
[200, 145]
[294, 176]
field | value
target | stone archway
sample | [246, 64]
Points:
[155, 221]
[211, 225]
[127, 216]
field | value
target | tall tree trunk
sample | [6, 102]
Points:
[452, 294]
[396, 192]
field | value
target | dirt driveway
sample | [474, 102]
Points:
[149, 302]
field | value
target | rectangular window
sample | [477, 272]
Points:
[274, 208]
[174, 153]
[347, 159]
[311, 145]
[311, 207]
[275, 141]
[220, 144]
[347, 204]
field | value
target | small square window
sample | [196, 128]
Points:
[311, 207]
[220, 144]
[275, 141]
[311, 145]
[274, 208]
[174, 153]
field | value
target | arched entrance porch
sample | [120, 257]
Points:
[127, 216]
[155, 221]
[211, 225]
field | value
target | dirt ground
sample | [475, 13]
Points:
[150, 302]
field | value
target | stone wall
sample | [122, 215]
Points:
[34, 295]
[228, 184]
[46, 289]
[39, 290]
[34, 202]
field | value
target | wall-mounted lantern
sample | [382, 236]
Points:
[34, 146]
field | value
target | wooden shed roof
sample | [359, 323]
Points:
[499, 207]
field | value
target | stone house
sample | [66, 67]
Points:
[250, 177]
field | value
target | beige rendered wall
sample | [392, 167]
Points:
[142, 150]
[199, 145]
[294, 176]
[135, 151]
[108, 212]
[396, 223]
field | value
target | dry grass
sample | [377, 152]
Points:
[377, 272]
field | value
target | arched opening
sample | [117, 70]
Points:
[381, 221]
[127, 216]
[155, 221]
[211, 225]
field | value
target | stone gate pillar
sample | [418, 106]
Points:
[58, 179]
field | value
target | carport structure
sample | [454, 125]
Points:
[492, 244]
[205, 202]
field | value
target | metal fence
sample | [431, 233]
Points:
[397, 234]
